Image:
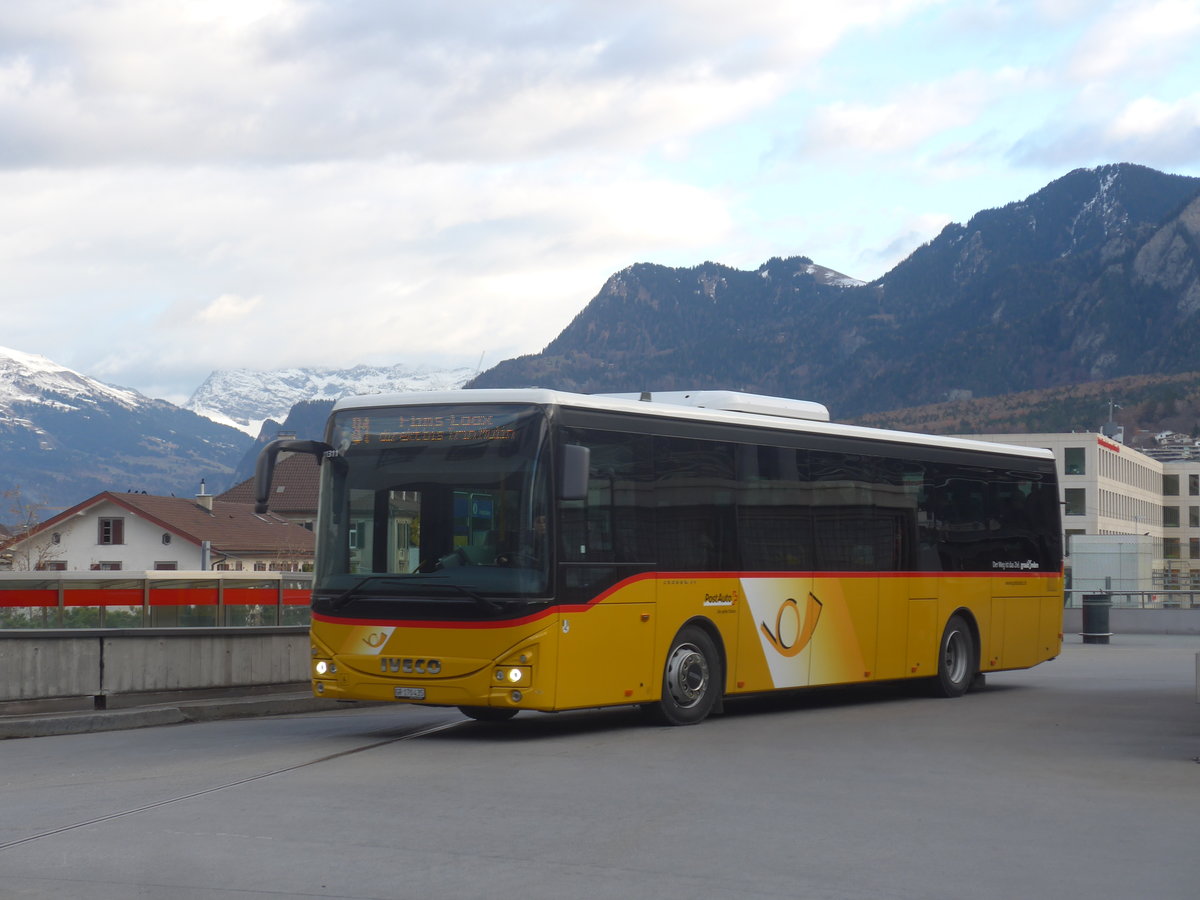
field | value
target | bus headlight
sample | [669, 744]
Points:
[512, 675]
[324, 667]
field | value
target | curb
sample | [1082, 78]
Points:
[47, 724]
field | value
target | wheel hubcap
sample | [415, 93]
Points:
[955, 660]
[687, 675]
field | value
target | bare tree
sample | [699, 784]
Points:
[23, 551]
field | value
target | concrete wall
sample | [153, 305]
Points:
[1139, 621]
[57, 664]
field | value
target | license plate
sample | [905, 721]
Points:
[406, 693]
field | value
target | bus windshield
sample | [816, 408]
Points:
[442, 510]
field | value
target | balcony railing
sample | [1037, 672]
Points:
[1155, 599]
[153, 599]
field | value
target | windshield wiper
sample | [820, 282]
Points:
[487, 603]
[351, 592]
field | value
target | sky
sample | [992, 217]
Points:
[212, 184]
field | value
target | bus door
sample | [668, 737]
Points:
[606, 591]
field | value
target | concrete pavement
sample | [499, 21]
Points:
[151, 711]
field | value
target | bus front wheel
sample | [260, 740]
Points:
[692, 678]
[487, 713]
[958, 662]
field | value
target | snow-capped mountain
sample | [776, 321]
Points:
[65, 437]
[244, 398]
[29, 378]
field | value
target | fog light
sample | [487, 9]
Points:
[499, 674]
[320, 688]
[322, 667]
[516, 696]
[514, 675]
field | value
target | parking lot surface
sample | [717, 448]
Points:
[1076, 779]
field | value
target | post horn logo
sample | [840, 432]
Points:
[793, 638]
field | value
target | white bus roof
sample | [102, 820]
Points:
[730, 407]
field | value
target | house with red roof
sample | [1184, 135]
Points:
[143, 532]
[293, 492]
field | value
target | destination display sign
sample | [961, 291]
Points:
[427, 425]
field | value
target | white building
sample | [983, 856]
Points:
[1181, 523]
[143, 532]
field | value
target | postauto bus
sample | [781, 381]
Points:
[507, 550]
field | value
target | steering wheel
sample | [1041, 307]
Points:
[456, 557]
[517, 560]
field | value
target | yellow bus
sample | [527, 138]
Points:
[508, 550]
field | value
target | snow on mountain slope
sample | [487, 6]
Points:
[26, 378]
[65, 437]
[244, 398]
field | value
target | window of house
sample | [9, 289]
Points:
[1170, 516]
[1076, 461]
[1194, 517]
[108, 565]
[111, 531]
[1170, 485]
[55, 565]
[1194, 485]
[1193, 548]
[1076, 504]
[166, 566]
[1170, 548]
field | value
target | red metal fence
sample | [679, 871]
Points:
[152, 599]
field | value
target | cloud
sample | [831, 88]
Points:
[1134, 38]
[328, 264]
[374, 180]
[1147, 130]
[227, 309]
[909, 119]
[137, 81]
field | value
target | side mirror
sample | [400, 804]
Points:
[576, 463]
[264, 468]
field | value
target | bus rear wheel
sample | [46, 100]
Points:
[487, 713]
[958, 662]
[692, 678]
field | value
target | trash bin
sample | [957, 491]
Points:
[1095, 618]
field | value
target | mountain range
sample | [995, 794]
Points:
[1094, 277]
[65, 437]
[246, 399]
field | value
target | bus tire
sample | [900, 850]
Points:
[487, 713]
[692, 678]
[958, 662]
